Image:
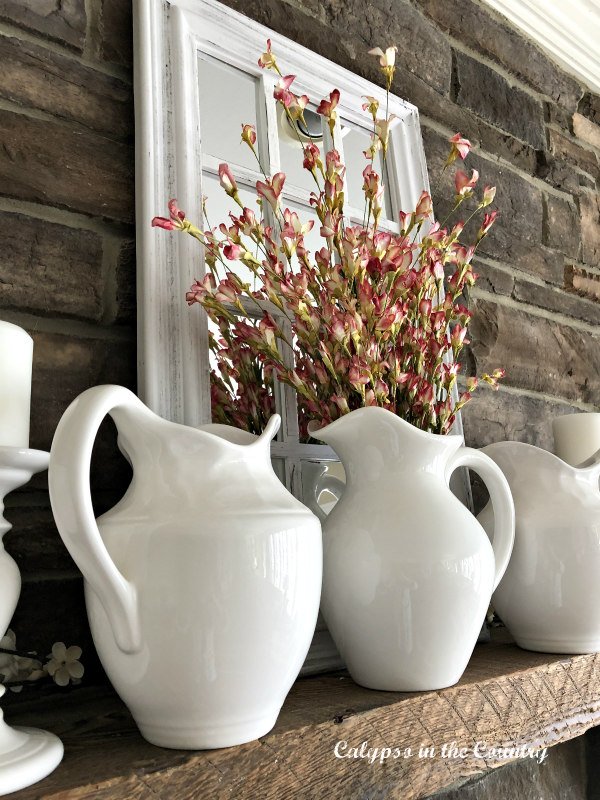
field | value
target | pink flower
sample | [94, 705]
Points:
[489, 193]
[249, 135]
[163, 222]
[458, 337]
[312, 156]
[492, 380]
[176, 218]
[464, 185]
[297, 106]
[281, 92]
[233, 252]
[271, 190]
[488, 221]
[387, 59]
[327, 107]
[268, 329]
[389, 319]
[292, 220]
[175, 212]
[424, 208]
[370, 181]
[227, 291]
[267, 59]
[338, 330]
[200, 289]
[227, 180]
[460, 148]
[372, 105]
[323, 259]
[456, 231]
[330, 226]
[333, 161]
[341, 403]
[404, 220]
[382, 129]
[425, 307]
[247, 223]
[373, 148]
[358, 374]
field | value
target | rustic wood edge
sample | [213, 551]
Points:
[507, 698]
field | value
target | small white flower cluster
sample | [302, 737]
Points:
[62, 664]
[15, 668]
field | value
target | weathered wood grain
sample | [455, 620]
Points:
[507, 697]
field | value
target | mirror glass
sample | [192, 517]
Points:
[356, 141]
[227, 101]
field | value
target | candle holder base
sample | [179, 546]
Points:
[26, 755]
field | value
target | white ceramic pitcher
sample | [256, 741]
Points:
[408, 571]
[549, 597]
[202, 584]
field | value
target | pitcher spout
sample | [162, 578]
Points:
[530, 469]
[240, 437]
[375, 435]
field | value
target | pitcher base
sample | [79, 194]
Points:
[567, 646]
[207, 737]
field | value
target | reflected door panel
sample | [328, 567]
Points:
[228, 99]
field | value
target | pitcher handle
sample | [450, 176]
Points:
[502, 502]
[69, 484]
[327, 483]
[591, 466]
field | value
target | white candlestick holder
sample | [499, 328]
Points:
[26, 754]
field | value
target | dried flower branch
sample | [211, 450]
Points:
[371, 318]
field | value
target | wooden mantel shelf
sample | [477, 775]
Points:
[507, 697]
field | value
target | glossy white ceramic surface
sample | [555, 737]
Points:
[549, 597]
[408, 570]
[202, 583]
[16, 359]
[26, 754]
[577, 437]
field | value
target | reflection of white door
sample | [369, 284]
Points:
[196, 82]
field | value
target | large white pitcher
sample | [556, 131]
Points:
[202, 584]
[408, 571]
[549, 597]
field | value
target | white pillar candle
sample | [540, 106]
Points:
[16, 357]
[577, 437]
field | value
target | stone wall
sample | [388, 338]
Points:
[67, 267]
[67, 264]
